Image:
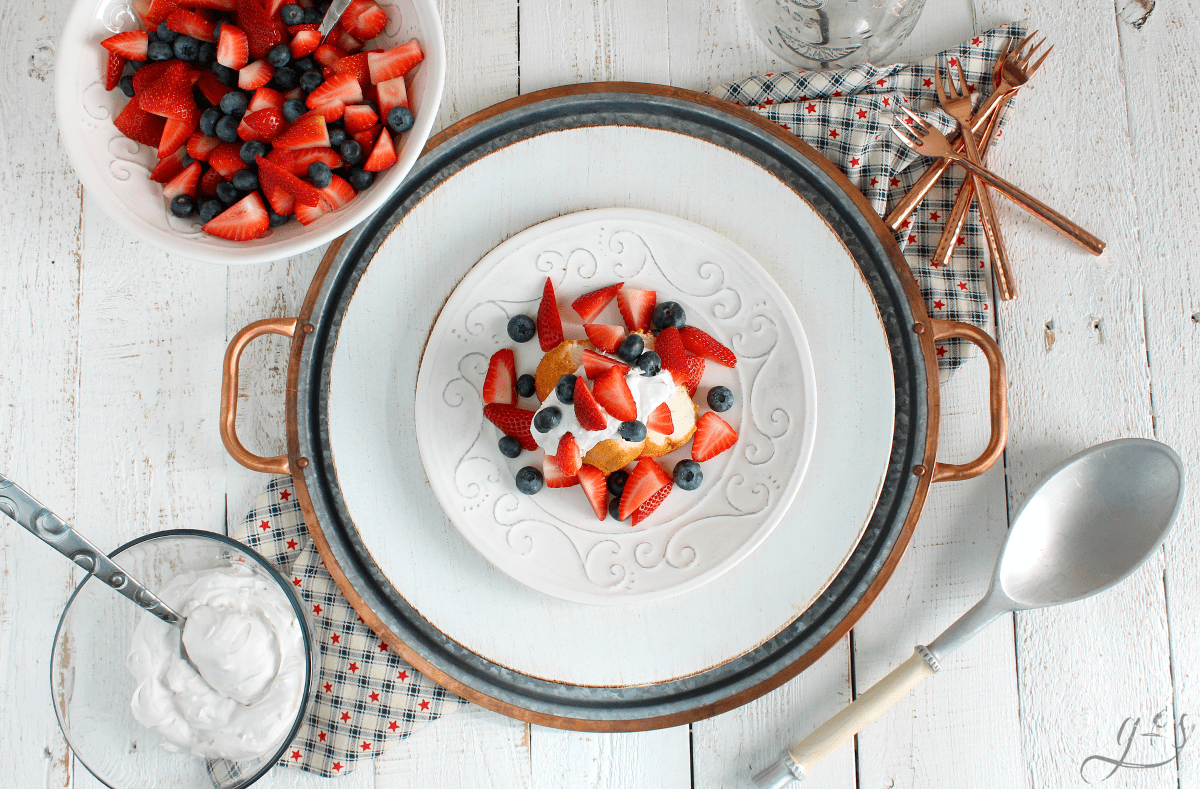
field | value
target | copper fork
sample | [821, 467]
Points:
[928, 141]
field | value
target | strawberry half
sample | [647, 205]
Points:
[701, 343]
[154, 12]
[637, 308]
[660, 420]
[168, 168]
[139, 125]
[500, 384]
[264, 98]
[307, 132]
[651, 504]
[589, 305]
[554, 475]
[183, 184]
[304, 42]
[213, 89]
[695, 371]
[646, 479]
[591, 479]
[233, 48]
[255, 75]
[342, 88]
[512, 421]
[171, 94]
[200, 146]
[392, 93]
[273, 178]
[713, 436]
[359, 117]
[383, 155]
[209, 181]
[549, 324]
[395, 62]
[189, 23]
[595, 365]
[327, 54]
[226, 159]
[264, 124]
[669, 346]
[263, 32]
[569, 456]
[175, 135]
[606, 338]
[131, 45]
[587, 410]
[611, 391]
[114, 70]
[364, 20]
[242, 221]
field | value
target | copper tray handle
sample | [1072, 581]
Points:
[998, 397]
[285, 327]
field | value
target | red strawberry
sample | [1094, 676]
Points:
[304, 42]
[369, 23]
[591, 479]
[255, 75]
[131, 45]
[280, 199]
[396, 62]
[646, 479]
[309, 214]
[264, 98]
[306, 156]
[589, 305]
[554, 475]
[183, 184]
[263, 32]
[366, 138]
[345, 41]
[637, 308]
[701, 343]
[660, 420]
[213, 89]
[383, 155]
[330, 112]
[175, 135]
[695, 371]
[326, 54]
[393, 93]
[114, 69]
[209, 181]
[171, 94]
[233, 49]
[199, 146]
[150, 73]
[595, 365]
[569, 456]
[651, 504]
[215, 5]
[549, 324]
[669, 346]
[606, 338]
[264, 124]
[359, 117]
[356, 65]
[168, 168]
[337, 194]
[342, 88]
[273, 7]
[139, 125]
[500, 385]
[226, 159]
[512, 421]
[587, 410]
[154, 12]
[274, 177]
[713, 436]
[191, 24]
[611, 391]
[307, 132]
[242, 221]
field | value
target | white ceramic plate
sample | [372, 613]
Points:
[553, 541]
[115, 169]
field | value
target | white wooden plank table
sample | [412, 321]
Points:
[109, 379]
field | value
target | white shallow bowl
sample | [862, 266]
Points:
[116, 170]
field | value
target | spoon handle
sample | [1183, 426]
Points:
[54, 531]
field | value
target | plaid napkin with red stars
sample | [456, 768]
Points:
[845, 115]
[368, 699]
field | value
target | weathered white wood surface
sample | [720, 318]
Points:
[109, 377]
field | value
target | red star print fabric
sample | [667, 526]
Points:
[367, 698]
[845, 115]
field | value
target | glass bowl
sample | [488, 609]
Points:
[830, 34]
[92, 688]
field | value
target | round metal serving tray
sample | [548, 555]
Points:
[910, 463]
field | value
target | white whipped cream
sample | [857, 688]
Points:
[648, 392]
[243, 635]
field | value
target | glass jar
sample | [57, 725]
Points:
[827, 34]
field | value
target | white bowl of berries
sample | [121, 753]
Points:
[228, 131]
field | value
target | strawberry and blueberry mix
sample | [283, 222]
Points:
[254, 117]
[680, 349]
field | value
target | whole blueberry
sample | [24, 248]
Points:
[292, 14]
[225, 75]
[630, 348]
[526, 385]
[227, 128]
[509, 447]
[614, 508]
[400, 119]
[165, 33]
[245, 180]
[208, 121]
[688, 475]
[312, 16]
[336, 137]
[182, 205]
[310, 80]
[320, 174]
[351, 152]
[565, 388]
[210, 208]
[632, 430]
[529, 480]
[616, 482]
[293, 109]
[217, 31]
[160, 50]
[521, 328]
[547, 419]
[227, 193]
[187, 160]
[208, 54]
[279, 56]
[251, 149]
[649, 363]
[359, 178]
[285, 77]
[126, 84]
[306, 63]
[669, 313]
[186, 48]
[720, 398]
[275, 220]
[235, 102]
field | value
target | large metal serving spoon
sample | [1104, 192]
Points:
[1087, 526]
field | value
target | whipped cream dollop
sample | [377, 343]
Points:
[243, 635]
[649, 392]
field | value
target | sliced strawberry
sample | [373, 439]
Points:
[367, 137]
[345, 41]
[154, 12]
[114, 70]
[587, 410]
[255, 75]
[646, 479]
[342, 88]
[395, 62]
[637, 308]
[611, 391]
[695, 371]
[233, 48]
[191, 24]
[356, 65]
[337, 194]
[701, 343]
[606, 338]
[669, 347]
[651, 504]
[512, 421]
[167, 168]
[549, 324]
[263, 31]
[131, 45]
[150, 73]
[660, 420]
[713, 436]
[309, 214]
[359, 117]
[273, 7]
[383, 155]
[280, 199]
[393, 93]
[175, 135]
[214, 5]
[264, 124]
[264, 98]
[242, 221]
[589, 305]
[183, 184]
[209, 181]
[368, 24]
[327, 54]
[200, 146]
[171, 94]
[307, 132]
[294, 29]
[213, 89]
[306, 156]
[226, 159]
[595, 365]
[274, 177]
[591, 479]
[500, 384]
[554, 475]
[569, 456]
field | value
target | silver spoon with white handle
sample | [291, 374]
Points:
[1088, 525]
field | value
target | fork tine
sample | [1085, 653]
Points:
[917, 119]
[1038, 63]
[899, 131]
[937, 82]
[1003, 57]
[1024, 60]
[962, 81]
[1018, 50]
